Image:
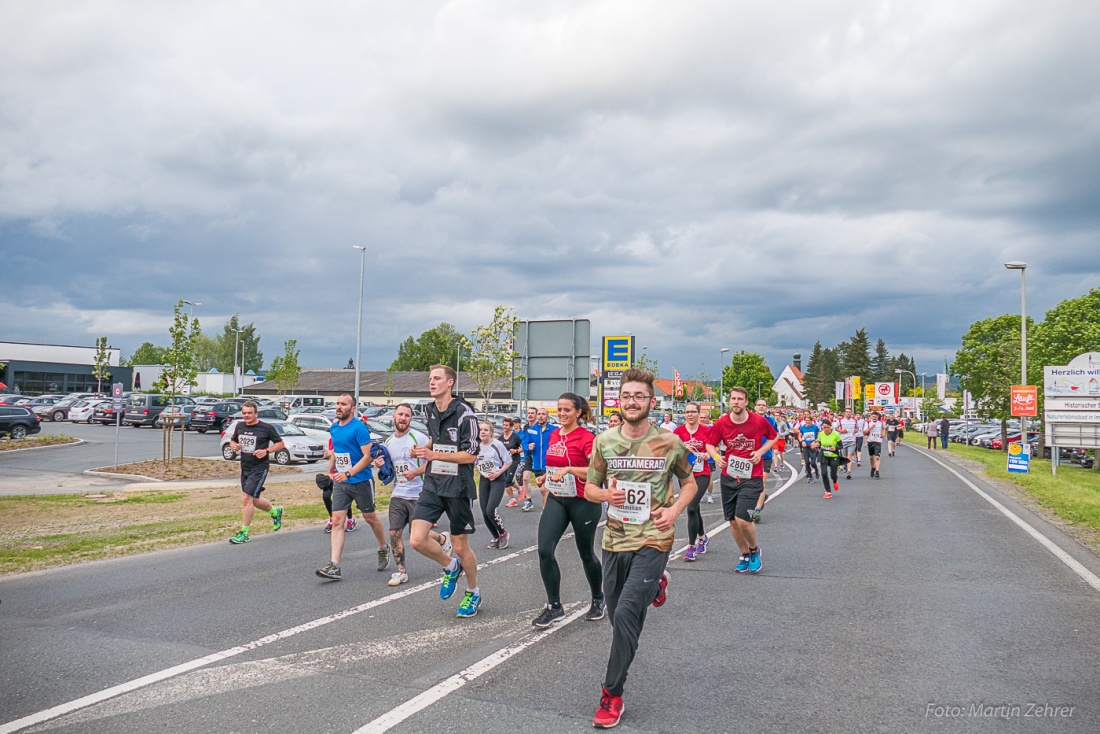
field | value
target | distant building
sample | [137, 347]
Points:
[789, 387]
[39, 369]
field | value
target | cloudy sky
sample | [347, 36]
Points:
[702, 174]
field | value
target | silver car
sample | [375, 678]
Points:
[298, 446]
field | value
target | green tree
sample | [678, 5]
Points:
[206, 352]
[880, 363]
[285, 369]
[856, 357]
[750, 371]
[988, 366]
[388, 388]
[179, 371]
[490, 359]
[644, 362]
[102, 362]
[439, 345]
[147, 354]
[244, 352]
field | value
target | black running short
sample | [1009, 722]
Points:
[401, 513]
[859, 443]
[362, 492]
[767, 465]
[874, 448]
[739, 498]
[459, 510]
[252, 480]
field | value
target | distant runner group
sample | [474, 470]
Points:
[642, 475]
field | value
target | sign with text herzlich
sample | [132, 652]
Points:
[1024, 400]
[1071, 402]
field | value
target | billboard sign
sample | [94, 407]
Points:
[1019, 457]
[1024, 400]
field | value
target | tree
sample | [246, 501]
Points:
[855, 357]
[988, 366]
[285, 370]
[750, 371]
[206, 352]
[147, 354]
[388, 389]
[902, 362]
[647, 363]
[244, 352]
[439, 345]
[179, 371]
[102, 362]
[880, 363]
[490, 359]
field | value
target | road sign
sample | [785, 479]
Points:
[1025, 400]
[1019, 457]
[618, 352]
[552, 357]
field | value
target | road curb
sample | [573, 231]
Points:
[136, 480]
[134, 477]
[77, 442]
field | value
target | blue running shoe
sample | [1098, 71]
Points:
[742, 564]
[754, 561]
[469, 605]
[702, 545]
[450, 581]
[689, 554]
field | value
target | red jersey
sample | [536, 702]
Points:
[743, 438]
[697, 444]
[573, 449]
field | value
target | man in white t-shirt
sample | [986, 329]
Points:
[407, 483]
[848, 426]
[668, 424]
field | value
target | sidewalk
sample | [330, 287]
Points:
[42, 482]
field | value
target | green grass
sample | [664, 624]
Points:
[1073, 495]
[83, 500]
[9, 444]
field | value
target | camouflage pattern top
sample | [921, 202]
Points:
[644, 469]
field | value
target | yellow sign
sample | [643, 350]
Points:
[855, 387]
[618, 352]
[1015, 449]
[869, 392]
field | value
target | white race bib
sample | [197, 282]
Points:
[635, 510]
[700, 464]
[567, 487]
[738, 468]
[400, 466]
[343, 462]
[445, 468]
[248, 444]
[486, 467]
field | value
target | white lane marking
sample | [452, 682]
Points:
[147, 680]
[395, 716]
[1089, 577]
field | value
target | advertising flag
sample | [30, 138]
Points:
[941, 385]
[678, 385]
[839, 390]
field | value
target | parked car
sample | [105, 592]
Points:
[142, 409]
[264, 413]
[310, 409]
[104, 413]
[177, 415]
[18, 421]
[59, 411]
[208, 400]
[313, 425]
[1012, 438]
[81, 411]
[43, 404]
[215, 417]
[13, 399]
[298, 446]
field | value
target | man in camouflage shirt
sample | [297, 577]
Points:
[636, 462]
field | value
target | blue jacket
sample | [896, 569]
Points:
[540, 437]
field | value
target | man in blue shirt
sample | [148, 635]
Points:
[807, 432]
[536, 439]
[349, 467]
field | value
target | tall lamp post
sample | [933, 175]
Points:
[359, 328]
[922, 395]
[236, 350]
[722, 380]
[192, 304]
[1022, 267]
[911, 375]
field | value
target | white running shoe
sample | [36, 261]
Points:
[398, 577]
[448, 546]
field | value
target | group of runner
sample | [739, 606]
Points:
[642, 474]
[831, 444]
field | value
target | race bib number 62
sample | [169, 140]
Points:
[635, 510]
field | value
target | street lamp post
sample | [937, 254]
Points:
[722, 380]
[922, 395]
[1022, 267]
[192, 304]
[359, 329]
[914, 380]
[236, 349]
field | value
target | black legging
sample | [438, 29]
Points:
[809, 457]
[557, 515]
[829, 465]
[489, 494]
[695, 518]
[326, 497]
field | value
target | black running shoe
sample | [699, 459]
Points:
[549, 616]
[596, 612]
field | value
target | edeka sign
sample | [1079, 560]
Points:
[618, 352]
[1025, 400]
[1019, 458]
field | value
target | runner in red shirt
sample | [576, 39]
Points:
[742, 471]
[567, 457]
[696, 436]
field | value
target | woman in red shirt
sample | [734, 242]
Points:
[694, 435]
[567, 458]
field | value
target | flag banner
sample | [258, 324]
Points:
[941, 385]
[839, 390]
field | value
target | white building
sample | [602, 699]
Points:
[789, 387]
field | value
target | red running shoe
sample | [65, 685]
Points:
[609, 712]
[662, 595]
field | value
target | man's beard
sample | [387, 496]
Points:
[640, 421]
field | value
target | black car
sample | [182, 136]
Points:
[215, 417]
[18, 422]
[105, 413]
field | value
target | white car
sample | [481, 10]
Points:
[81, 411]
[299, 446]
[313, 425]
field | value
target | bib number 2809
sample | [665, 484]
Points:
[635, 510]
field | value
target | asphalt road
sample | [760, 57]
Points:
[58, 470]
[897, 606]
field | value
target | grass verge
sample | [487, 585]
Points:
[45, 531]
[1071, 499]
[30, 442]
